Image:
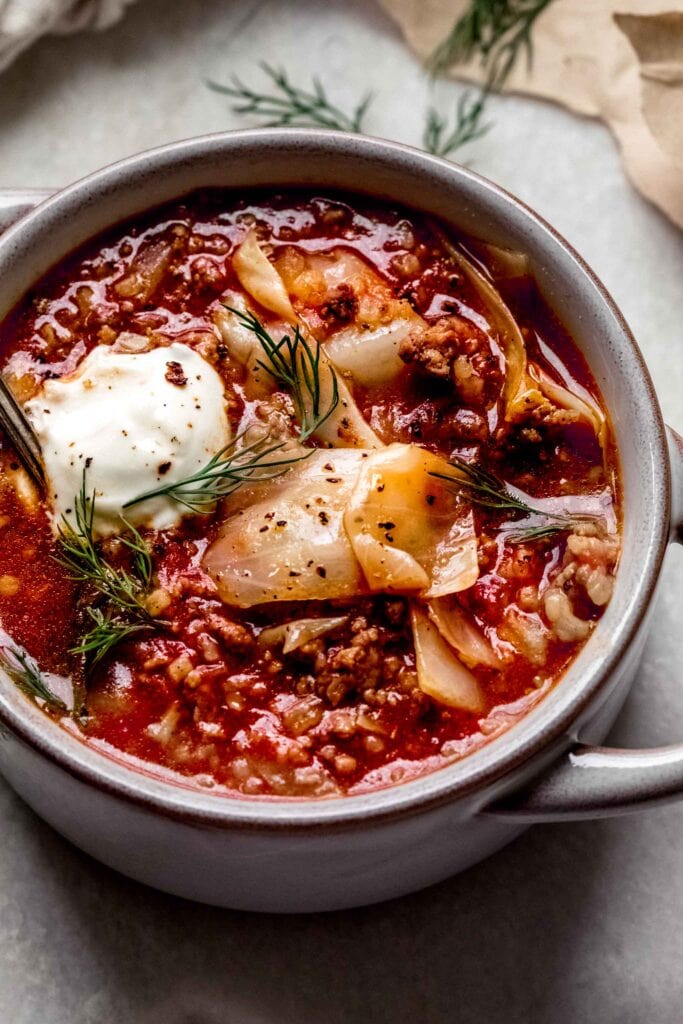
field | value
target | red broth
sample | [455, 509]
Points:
[200, 696]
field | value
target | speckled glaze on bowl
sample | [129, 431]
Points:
[289, 855]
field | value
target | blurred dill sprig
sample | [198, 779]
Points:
[441, 140]
[288, 104]
[498, 33]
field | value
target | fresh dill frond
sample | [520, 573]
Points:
[80, 556]
[484, 489]
[488, 491]
[441, 140]
[122, 592]
[106, 632]
[497, 32]
[293, 364]
[225, 471]
[23, 670]
[288, 104]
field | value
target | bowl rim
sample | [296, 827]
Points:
[545, 727]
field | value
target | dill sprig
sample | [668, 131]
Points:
[293, 364]
[441, 140]
[123, 592]
[225, 471]
[487, 491]
[23, 670]
[290, 105]
[106, 632]
[84, 563]
[498, 32]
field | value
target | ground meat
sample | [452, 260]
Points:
[341, 308]
[463, 425]
[362, 661]
[354, 668]
[454, 349]
[540, 421]
[274, 418]
[236, 637]
[527, 634]
[584, 583]
[434, 348]
[548, 415]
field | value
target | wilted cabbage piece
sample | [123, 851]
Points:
[527, 387]
[364, 323]
[505, 264]
[408, 529]
[292, 635]
[583, 404]
[260, 279]
[440, 674]
[284, 540]
[242, 344]
[345, 427]
[458, 628]
[344, 523]
[370, 357]
[504, 325]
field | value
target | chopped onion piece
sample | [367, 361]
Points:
[439, 672]
[409, 530]
[163, 730]
[459, 630]
[127, 341]
[260, 279]
[295, 634]
[146, 271]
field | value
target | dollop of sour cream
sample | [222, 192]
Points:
[135, 422]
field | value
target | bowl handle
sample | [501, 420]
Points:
[601, 782]
[15, 202]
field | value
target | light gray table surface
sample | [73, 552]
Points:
[572, 923]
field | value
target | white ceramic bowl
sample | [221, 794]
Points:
[292, 855]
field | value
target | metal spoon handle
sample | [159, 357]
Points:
[14, 203]
[14, 422]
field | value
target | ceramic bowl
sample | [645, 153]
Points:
[294, 855]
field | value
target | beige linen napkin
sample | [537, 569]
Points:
[619, 60]
[24, 21]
